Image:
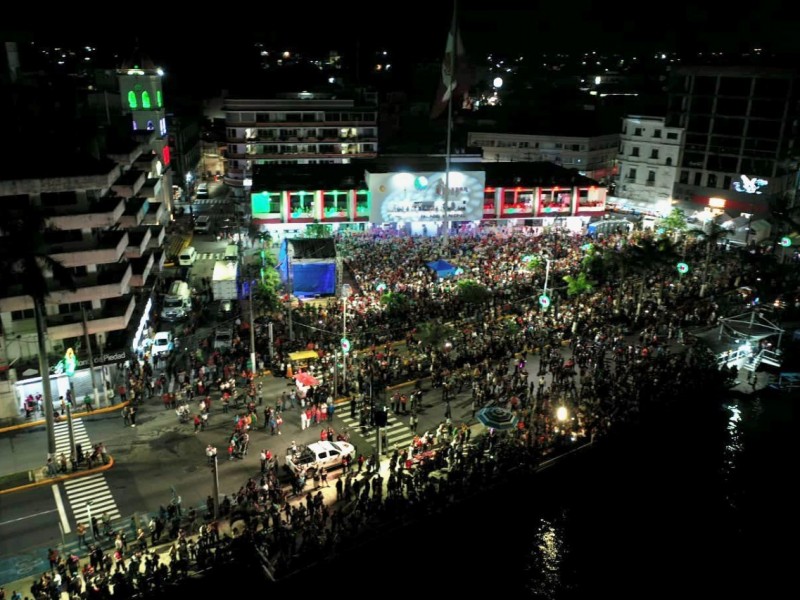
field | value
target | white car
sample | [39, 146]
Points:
[163, 343]
[223, 338]
[318, 455]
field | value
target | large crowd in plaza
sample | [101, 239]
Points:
[605, 356]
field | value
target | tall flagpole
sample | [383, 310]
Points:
[452, 83]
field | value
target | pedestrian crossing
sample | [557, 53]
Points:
[62, 437]
[398, 433]
[94, 489]
[210, 255]
[210, 201]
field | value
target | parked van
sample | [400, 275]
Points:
[232, 252]
[187, 257]
[177, 302]
[202, 224]
[202, 191]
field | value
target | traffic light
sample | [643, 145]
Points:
[381, 417]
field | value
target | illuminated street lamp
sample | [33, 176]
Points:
[562, 414]
[497, 82]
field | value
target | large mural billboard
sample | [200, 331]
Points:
[421, 196]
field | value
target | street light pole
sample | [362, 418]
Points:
[89, 517]
[71, 431]
[252, 331]
[346, 291]
[215, 471]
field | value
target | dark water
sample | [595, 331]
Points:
[690, 504]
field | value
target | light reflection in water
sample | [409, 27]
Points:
[733, 449]
[545, 575]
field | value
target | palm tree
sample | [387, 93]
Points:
[712, 234]
[579, 285]
[435, 333]
[644, 256]
[24, 260]
[472, 293]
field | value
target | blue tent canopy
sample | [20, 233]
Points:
[443, 268]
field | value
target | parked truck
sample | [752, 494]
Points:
[223, 281]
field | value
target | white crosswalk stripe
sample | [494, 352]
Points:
[62, 437]
[398, 433]
[210, 201]
[94, 489]
[210, 255]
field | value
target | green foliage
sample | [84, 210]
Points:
[318, 230]
[675, 221]
[579, 285]
[395, 303]
[434, 333]
[511, 326]
[472, 292]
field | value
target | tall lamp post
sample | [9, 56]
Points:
[346, 291]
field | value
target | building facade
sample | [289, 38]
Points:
[649, 155]
[741, 136]
[105, 222]
[303, 128]
[593, 156]
[408, 193]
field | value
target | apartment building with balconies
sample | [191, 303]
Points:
[649, 154]
[110, 260]
[593, 156]
[301, 128]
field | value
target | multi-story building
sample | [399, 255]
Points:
[302, 128]
[649, 154]
[592, 156]
[740, 141]
[184, 148]
[105, 222]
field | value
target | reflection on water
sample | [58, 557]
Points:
[732, 451]
[546, 561]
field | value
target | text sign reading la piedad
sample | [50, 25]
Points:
[109, 358]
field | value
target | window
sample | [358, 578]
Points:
[145, 100]
[657, 133]
[698, 178]
[559, 146]
[669, 161]
[651, 176]
[705, 85]
[672, 136]
[159, 99]
[22, 315]
[135, 125]
[150, 126]
[51, 199]
[637, 131]
[712, 180]
[631, 175]
[684, 178]
[726, 182]
[635, 151]
[335, 203]
[734, 86]
[654, 153]
[162, 125]
[488, 201]
[132, 99]
[74, 307]
[735, 107]
[575, 147]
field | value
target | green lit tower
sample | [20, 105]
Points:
[142, 96]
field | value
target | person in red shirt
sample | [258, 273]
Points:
[323, 435]
[197, 423]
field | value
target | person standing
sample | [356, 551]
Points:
[81, 531]
[126, 416]
[133, 415]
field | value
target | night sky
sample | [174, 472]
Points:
[196, 42]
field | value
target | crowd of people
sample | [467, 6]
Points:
[594, 369]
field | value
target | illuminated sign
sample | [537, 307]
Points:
[716, 202]
[746, 185]
[421, 196]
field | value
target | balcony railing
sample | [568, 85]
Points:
[129, 183]
[115, 314]
[109, 248]
[110, 282]
[100, 215]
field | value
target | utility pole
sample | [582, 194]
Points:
[215, 473]
[271, 344]
[91, 360]
[252, 331]
[346, 290]
[44, 373]
[71, 430]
